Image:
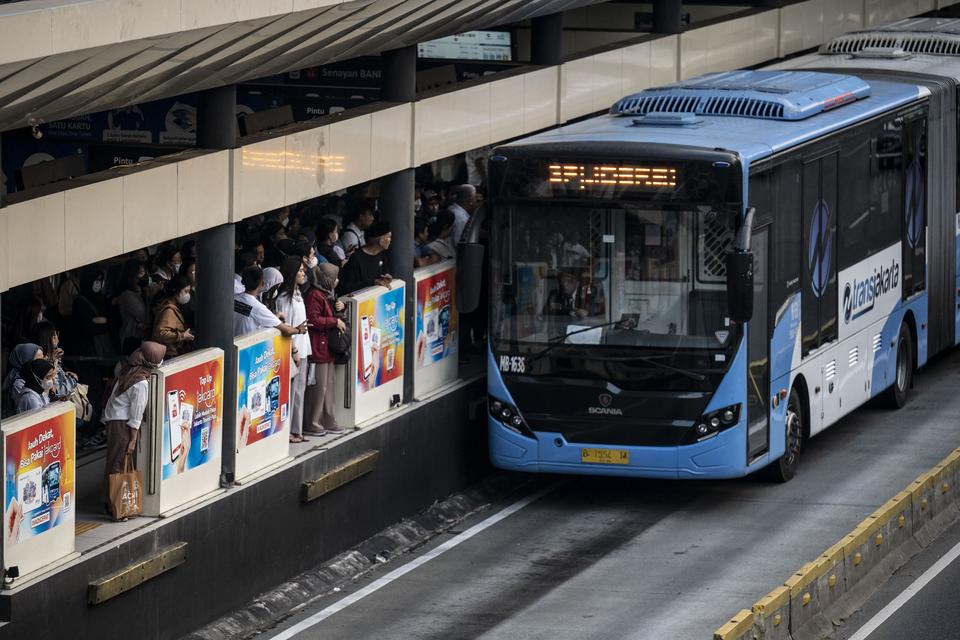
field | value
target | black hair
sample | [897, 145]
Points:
[252, 277]
[419, 224]
[165, 254]
[443, 220]
[175, 285]
[131, 274]
[289, 269]
[42, 334]
[244, 259]
[324, 228]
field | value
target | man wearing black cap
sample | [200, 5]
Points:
[365, 268]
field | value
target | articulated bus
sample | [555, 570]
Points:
[695, 283]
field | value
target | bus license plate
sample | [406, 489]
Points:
[605, 456]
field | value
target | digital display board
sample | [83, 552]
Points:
[589, 177]
[472, 45]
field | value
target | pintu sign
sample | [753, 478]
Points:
[859, 297]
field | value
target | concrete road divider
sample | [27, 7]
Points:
[842, 577]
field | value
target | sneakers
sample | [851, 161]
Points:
[314, 432]
[336, 430]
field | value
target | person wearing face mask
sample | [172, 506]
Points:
[189, 271]
[290, 305]
[38, 381]
[131, 303]
[19, 356]
[91, 333]
[170, 328]
[125, 407]
[322, 306]
[328, 236]
[168, 262]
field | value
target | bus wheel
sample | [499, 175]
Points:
[783, 469]
[896, 396]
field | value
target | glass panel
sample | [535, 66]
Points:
[758, 345]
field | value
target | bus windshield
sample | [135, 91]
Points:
[615, 274]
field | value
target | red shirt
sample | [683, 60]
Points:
[320, 316]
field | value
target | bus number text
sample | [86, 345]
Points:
[513, 364]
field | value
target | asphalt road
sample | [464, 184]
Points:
[920, 601]
[609, 558]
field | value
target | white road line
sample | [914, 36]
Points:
[376, 585]
[864, 632]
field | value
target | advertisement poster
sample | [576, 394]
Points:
[39, 476]
[436, 318]
[380, 340]
[263, 389]
[192, 417]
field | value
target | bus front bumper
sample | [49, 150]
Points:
[723, 456]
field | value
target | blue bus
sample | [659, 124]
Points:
[693, 284]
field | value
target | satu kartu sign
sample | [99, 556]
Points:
[39, 492]
[380, 339]
[263, 388]
[192, 417]
[436, 318]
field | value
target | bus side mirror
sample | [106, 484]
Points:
[469, 275]
[740, 285]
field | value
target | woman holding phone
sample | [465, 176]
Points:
[290, 303]
[321, 318]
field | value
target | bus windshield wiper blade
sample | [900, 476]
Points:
[556, 341]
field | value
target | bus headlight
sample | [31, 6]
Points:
[507, 415]
[710, 424]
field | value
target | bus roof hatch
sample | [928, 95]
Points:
[772, 95]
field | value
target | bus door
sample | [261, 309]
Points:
[818, 315]
[758, 350]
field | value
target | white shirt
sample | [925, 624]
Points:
[460, 219]
[237, 284]
[129, 405]
[295, 313]
[260, 317]
[352, 238]
[443, 247]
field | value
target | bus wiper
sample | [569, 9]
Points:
[556, 341]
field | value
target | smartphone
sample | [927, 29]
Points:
[51, 482]
[176, 440]
[366, 351]
[186, 417]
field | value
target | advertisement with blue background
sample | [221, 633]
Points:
[263, 389]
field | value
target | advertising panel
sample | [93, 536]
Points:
[380, 340]
[39, 472]
[436, 318]
[192, 417]
[263, 389]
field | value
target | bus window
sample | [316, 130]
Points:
[787, 244]
[914, 202]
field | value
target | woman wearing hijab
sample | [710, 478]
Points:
[290, 304]
[37, 376]
[272, 281]
[170, 327]
[319, 418]
[125, 407]
[21, 355]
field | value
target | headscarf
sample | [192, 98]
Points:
[21, 355]
[33, 373]
[271, 278]
[140, 365]
[323, 277]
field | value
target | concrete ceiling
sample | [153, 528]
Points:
[107, 77]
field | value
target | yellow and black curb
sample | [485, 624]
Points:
[887, 537]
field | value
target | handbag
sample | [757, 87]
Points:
[125, 492]
[339, 341]
[80, 399]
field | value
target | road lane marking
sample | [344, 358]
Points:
[915, 587]
[399, 572]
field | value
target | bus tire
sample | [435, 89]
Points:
[784, 468]
[899, 392]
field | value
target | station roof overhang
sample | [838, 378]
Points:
[87, 80]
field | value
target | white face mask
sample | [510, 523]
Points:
[97, 285]
[183, 298]
[176, 266]
[285, 222]
[312, 261]
[47, 384]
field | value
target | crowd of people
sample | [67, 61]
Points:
[78, 335]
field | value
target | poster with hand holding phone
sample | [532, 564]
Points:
[380, 339]
[39, 487]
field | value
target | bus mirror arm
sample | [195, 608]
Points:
[740, 273]
[470, 263]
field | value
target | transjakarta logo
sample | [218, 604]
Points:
[860, 296]
[605, 409]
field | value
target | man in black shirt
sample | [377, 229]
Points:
[365, 267]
